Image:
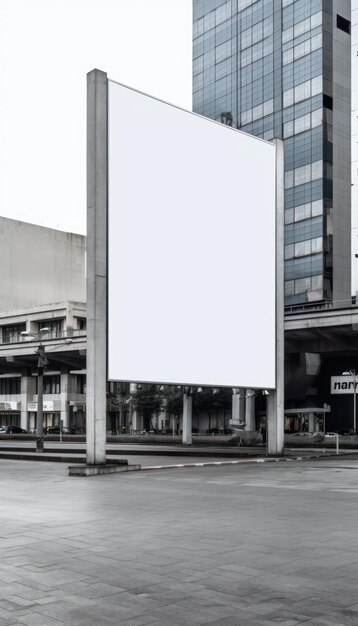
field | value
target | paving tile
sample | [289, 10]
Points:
[37, 619]
[177, 552]
[140, 620]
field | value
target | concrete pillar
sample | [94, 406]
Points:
[69, 322]
[238, 403]
[137, 421]
[96, 266]
[28, 389]
[250, 410]
[275, 399]
[64, 411]
[311, 423]
[187, 418]
[161, 420]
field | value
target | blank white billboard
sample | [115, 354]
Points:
[191, 248]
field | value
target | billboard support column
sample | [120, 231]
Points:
[187, 416]
[250, 410]
[275, 399]
[96, 266]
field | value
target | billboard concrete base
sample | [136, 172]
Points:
[96, 470]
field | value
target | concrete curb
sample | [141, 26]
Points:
[241, 461]
[55, 458]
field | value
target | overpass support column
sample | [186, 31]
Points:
[187, 417]
[250, 409]
[65, 381]
[311, 422]
[238, 407]
[137, 421]
[28, 386]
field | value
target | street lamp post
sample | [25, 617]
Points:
[353, 374]
[42, 364]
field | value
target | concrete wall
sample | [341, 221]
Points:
[39, 265]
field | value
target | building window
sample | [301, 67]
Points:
[303, 91]
[304, 174]
[81, 323]
[289, 287]
[52, 384]
[80, 383]
[54, 326]
[308, 284]
[288, 216]
[223, 51]
[328, 102]
[302, 212]
[242, 4]
[317, 208]
[308, 247]
[303, 123]
[10, 386]
[12, 334]
[289, 251]
[302, 285]
[317, 282]
[343, 24]
[303, 248]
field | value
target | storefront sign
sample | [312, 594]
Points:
[47, 406]
[343, 384]
[9, 406]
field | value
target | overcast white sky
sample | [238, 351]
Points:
[46, 49]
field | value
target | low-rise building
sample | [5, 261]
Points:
[65, 376]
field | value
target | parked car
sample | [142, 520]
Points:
[55, 430]
[331, 435]
[313, 437]
[13, 430]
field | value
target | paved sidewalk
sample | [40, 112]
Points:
[249, 544]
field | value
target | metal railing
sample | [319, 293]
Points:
[56, 334]
[309, 307]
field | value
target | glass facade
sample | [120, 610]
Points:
[261, 66]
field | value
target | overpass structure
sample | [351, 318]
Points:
[325, 328]
[321, 342]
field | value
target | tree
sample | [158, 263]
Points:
[213, 402]
[149, 402]
[173, 403]
[173, 397]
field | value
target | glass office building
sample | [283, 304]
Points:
[281, 68]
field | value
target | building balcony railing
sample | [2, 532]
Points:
[308, 307]
[56, 334]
